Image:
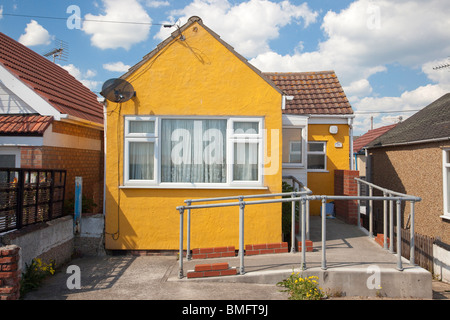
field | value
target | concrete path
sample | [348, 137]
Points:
[350, 254]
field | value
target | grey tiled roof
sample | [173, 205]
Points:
[432, 122]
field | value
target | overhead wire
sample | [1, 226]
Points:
[82, 19]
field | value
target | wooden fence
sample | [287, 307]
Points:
[423, 252]
[30, 196]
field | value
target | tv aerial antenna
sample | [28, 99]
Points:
[442, 66]
[117, 90]
[60, 52]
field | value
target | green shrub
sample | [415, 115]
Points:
[34, 274]
[302, 288]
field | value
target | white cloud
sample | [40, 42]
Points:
[247, 26]
[107, 35]
[83, 77]
[365, 39]
[116, 67]
[1, 12]
[35, 34]
[412, 101]
[157, 4]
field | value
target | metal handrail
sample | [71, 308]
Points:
[242, 197]
[386, 192]
[304, 198]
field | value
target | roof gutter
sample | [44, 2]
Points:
[407, 143]
[345, 116]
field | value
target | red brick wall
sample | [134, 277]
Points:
[345, 185]
[78, 162]
[9, 273]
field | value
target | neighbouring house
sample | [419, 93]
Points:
[359, 152]
[317, 129]
[49, 120]
[414, 158]
[206, 123]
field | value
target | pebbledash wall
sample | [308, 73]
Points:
[75, 148]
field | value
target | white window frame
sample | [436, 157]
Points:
[291, 152]
[445, 168]
[323, 152]
[140, 137]
[231, 139]
[12, 151]
[304, 142]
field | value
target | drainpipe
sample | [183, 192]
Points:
[350, 124]
[104, 157]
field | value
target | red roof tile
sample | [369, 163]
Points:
[313, 92]
[368, 137]
[24, 124]
[50, 81]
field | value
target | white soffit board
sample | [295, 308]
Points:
[28, 95]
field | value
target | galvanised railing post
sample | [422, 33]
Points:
[359, 203]
[180, 271]
[324, 234]
[241, 235]
[370, 212]
[303, 264]
[412, 235]
[188, 244]
[385, 221]
[391, 225]
[307, 219]
[399, 236]
[293, 224]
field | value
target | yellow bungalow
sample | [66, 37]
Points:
[205, 123]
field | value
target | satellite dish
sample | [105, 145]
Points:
[117, 90]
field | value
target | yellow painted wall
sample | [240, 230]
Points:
[322, 183]
[199, 77]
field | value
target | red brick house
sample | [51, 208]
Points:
[49, 120]
[359, 151]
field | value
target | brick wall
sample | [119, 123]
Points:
[31, 157]
[9, 273]
[345, 185]
[78, 162]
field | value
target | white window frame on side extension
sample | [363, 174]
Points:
[323, 153]
[446, 183]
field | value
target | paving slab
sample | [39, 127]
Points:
[353, 263]
[355, 266]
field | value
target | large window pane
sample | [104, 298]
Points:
[141, 160]
[193, 151]
[245, 166]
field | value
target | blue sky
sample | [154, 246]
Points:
[382, 51]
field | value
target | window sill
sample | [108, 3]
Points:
[319, 171]
[197, 187]
[293, 166]
[445, 217]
